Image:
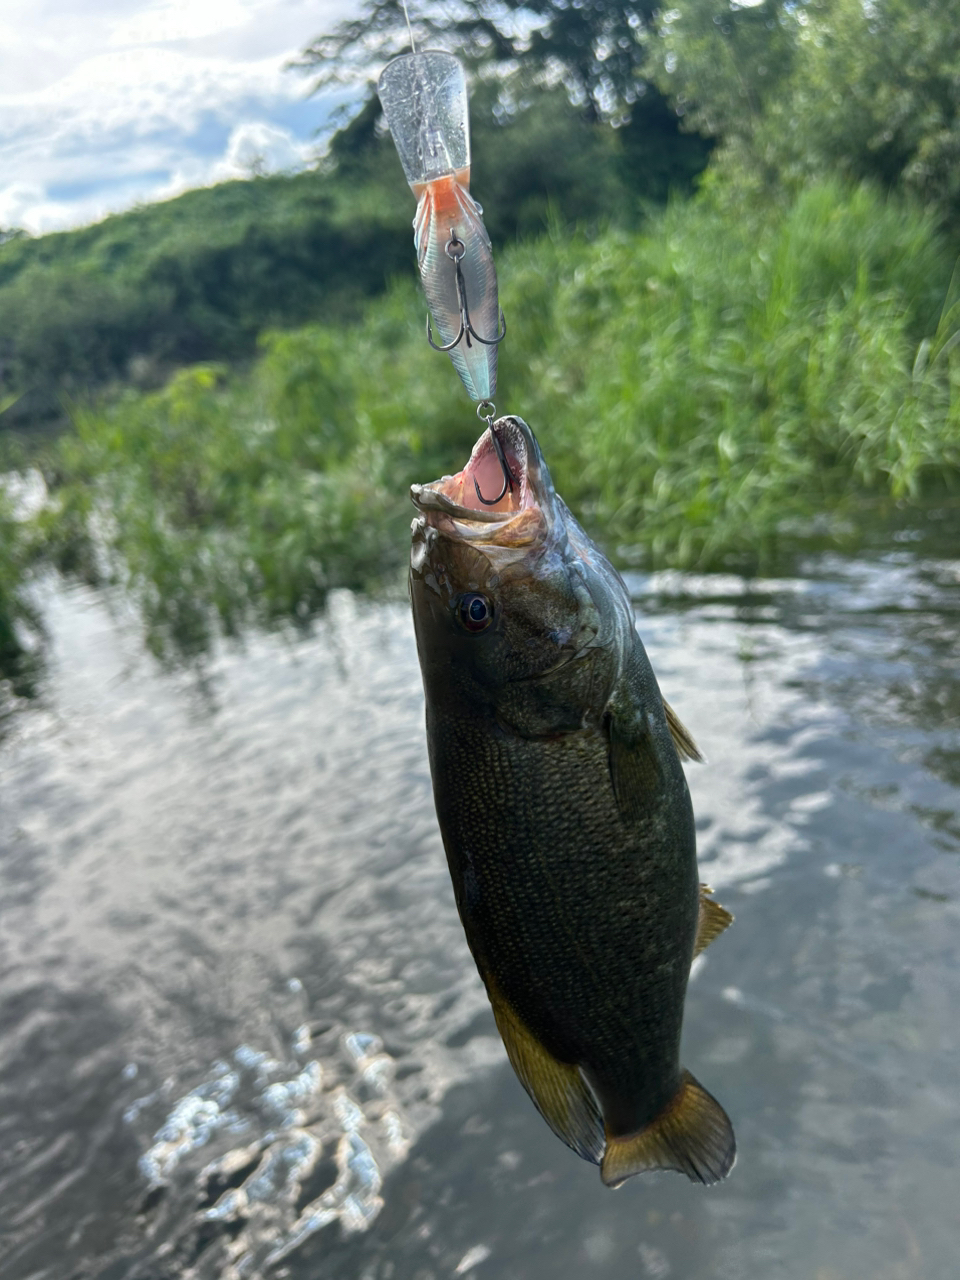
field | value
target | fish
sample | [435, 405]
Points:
[424, 99]
[564, 811]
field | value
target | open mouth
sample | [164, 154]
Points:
[493, 488]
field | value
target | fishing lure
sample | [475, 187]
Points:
[424, 98]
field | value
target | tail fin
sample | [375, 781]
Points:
[693, 1135]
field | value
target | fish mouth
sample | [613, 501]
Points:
[467, 504]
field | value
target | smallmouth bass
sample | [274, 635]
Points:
[564, 812]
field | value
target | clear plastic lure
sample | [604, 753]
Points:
[424, 98]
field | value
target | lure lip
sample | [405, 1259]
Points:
[424, 98]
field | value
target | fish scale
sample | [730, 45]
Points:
[576, 987]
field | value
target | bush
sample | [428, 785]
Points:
[18, 618]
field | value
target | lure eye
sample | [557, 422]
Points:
[475, 612]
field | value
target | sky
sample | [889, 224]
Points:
[109, 103]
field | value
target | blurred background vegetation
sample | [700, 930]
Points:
[726, 237]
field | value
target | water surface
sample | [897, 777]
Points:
[241, 1034]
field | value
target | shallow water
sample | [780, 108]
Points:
[241, 1034]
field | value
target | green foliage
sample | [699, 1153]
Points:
[18, 618]
[701, 390]
[231, 500]
[537, 158]
[723, 64]
[877, 95]
[711, 384]
[196, 278]
[869, 91]
[597, 47]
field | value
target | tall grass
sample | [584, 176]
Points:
[713, 383]
[217, 498]
[700, 390]
[18, 617]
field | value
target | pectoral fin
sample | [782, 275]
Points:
[558, 1090]
[634, 768]
[692, 1135]
[687, 749]
[713, 920]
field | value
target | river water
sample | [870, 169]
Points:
[240, 1032]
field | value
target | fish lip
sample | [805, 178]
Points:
[426, 498]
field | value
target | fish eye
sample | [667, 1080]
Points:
[475, 611]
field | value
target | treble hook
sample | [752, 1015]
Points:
[455, 249]
[508, 477]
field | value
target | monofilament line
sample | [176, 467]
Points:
[413, 47]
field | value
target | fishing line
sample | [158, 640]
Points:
[413, 47]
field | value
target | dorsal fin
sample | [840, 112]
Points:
[558, 1090]
[687, 749]
[713, 920]
[692, 1134]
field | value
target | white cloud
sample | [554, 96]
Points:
[260, 148]
[16, 202]
[181, 20]
[254, 147]
[108, 102]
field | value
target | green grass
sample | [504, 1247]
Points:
[708, 383]
[702, 391]
[19, 622]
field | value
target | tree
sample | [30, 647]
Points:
[596, 48]
[722, 63]
[867, 88]
[877, 95]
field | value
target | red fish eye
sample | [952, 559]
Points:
[475, 611]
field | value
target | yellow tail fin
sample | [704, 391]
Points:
[693, 1135]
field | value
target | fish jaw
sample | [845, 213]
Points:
[546, 651]
[526, 547]
[462, 544]
[461, 505]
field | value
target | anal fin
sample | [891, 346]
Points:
[687, 749]
[713, 920]
[558, 1090]
[692, 1135]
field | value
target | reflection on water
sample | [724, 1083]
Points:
[309, 1155]
[241, 1035]
[21, 628]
